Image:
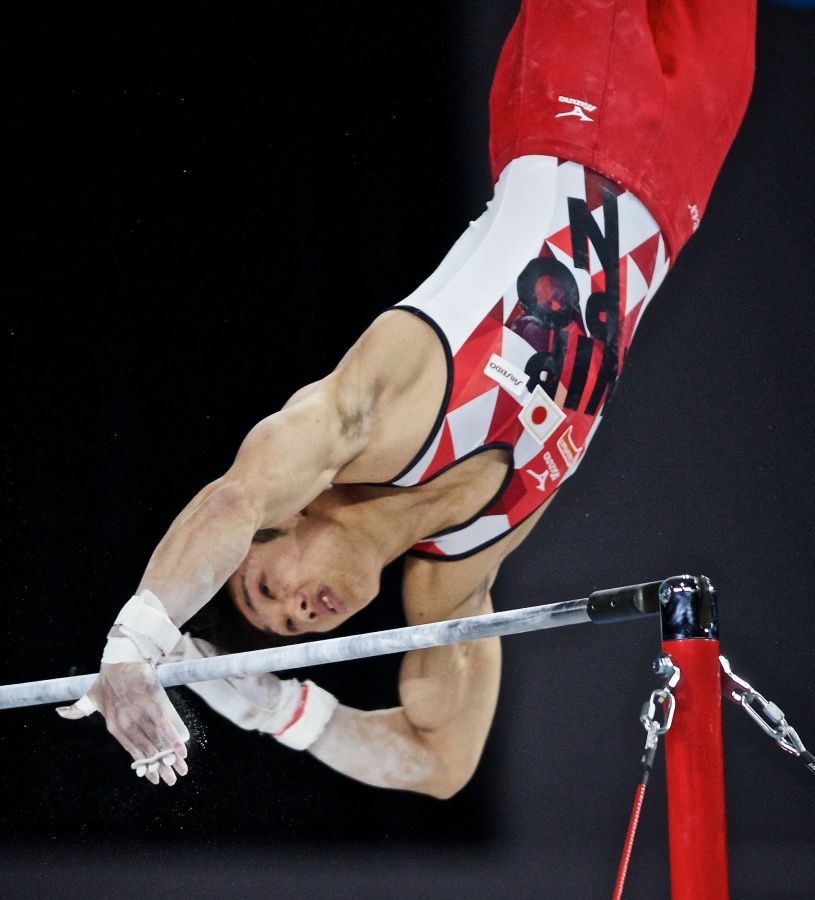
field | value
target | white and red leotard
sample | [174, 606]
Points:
[609, 122]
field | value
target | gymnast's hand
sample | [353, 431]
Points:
[130, 696]
[140, 716]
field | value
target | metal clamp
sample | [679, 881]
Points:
[769, 717]
[665, 666]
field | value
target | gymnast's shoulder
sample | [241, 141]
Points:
[388, 388]
[396, 350]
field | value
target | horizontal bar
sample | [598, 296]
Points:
[317, 653]
[617, 604]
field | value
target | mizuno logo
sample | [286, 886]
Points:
[541, 485]
[553, 471]
[577, 109]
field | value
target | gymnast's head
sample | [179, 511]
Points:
[308, 575]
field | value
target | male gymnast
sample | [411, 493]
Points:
[446, 430]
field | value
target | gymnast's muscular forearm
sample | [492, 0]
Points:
[432, 743]
[205, 544]
[284, 462]
[381, 748]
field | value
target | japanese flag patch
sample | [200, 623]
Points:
[541, 415]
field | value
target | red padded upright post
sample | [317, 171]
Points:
[697, 830]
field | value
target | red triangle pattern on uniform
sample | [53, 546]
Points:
[627, 328]
[469, 380]
[645, 257]
[497, 312]
[562, 240]
[428, 547]
[515, 313]
[445, 452]
[622, 287]
[505, 425]
[514, 493]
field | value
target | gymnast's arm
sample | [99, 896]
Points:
[285, 461]
[432, 743]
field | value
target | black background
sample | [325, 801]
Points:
[204, 205]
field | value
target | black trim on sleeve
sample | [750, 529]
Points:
[511, 470]
[437, 557]
[448, 390]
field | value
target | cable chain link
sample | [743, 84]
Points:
[769, 717]
[654, 729]
[649, 709]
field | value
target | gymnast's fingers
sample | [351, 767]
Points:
[175, 721]
[149, 761]
[147, 740]
[139, 746]
[166, 772]
[166, 750]
[84, 706]
[180, 763]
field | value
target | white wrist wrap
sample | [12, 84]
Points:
[120, 650]
[146, 629]
[275, 720]
[224, 697]
[295, 715]
[313, 710]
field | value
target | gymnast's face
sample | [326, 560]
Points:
[309, 576]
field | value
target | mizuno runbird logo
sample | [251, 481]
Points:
[577, 109]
